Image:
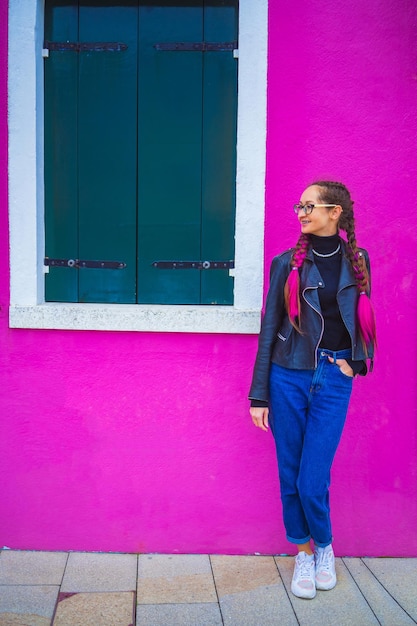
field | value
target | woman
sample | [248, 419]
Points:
[317, 332]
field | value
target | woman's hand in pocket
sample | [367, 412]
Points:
[343, 366]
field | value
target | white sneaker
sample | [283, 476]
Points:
[325, 568]
[302, 584]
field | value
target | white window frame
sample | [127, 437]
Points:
[28, 308]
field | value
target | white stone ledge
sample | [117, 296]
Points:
[136, 317]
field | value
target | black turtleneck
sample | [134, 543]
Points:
[335, 335]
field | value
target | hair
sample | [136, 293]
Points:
[334, 193]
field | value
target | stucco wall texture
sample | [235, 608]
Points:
[143, 442]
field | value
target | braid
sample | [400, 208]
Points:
[356, 258]
[292, 285]
[337, 193]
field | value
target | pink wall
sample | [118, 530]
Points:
[342, 104]
[142, 442]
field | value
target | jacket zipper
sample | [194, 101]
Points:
[322, 323]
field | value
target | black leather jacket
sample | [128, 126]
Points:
[279, 342]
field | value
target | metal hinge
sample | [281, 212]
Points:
[203, 46]
[193, 265]
[79, 264]
[77, 46]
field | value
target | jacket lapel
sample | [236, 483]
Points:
[311, 281]
[347, 277]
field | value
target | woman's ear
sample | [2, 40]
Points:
[336, 212]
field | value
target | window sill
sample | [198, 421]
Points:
[131, 317]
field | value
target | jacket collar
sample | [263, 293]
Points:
[347, 277]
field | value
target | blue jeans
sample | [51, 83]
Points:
[307, 414]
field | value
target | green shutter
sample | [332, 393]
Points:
[107, 151]
[61, 169]
[169, 148]
[140, 150]
[219, 151]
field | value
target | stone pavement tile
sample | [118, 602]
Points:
[251, 591]
[399, 577]
[386, 609]
[344, 605]
[10, 619]
[179, 615]
[100, 572]
[23, 605]
[32, 568]
[176, 578]
[95, 609]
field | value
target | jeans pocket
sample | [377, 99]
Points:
[348, 376]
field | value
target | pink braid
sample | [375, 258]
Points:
[366, 319]
[365, 310]
[292, 285]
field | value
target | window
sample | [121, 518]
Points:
[140, 145]
[143, 283]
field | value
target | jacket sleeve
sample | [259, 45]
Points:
[360, 367]
[271, 322]
[368, 267]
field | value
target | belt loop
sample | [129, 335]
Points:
[335, 356]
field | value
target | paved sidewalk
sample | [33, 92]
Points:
[96, 589]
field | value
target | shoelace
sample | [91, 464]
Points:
[305, 568]
[324, 561]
